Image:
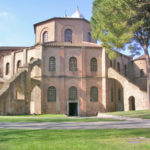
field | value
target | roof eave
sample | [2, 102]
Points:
[48, 20]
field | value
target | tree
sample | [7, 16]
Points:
[122, 24]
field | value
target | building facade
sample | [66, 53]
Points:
[67, 72]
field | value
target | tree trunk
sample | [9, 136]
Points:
[148, 74]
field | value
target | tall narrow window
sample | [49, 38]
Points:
[94, 94]
[119, 94]
[73, 64]
[52, 64]
[94, 65]
[131, 103]
[51, 94]
[125, 70]
[45, 37]
[7, 68]
[89, 37]
[68, 35]
[18, 65]
[141, 73]
[114, 63]
[73, 93]
[118, 67]
[112, 94]
[110, 63]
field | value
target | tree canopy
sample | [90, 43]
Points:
[122, 24]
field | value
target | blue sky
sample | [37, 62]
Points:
[18, 16]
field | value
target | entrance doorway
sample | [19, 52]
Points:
[73, 109]
[35, 103]
[131, 103]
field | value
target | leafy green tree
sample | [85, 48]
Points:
[122, 24]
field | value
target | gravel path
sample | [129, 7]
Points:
[135, 123]
[128, 123]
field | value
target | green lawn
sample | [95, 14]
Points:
[36, 116]
[145, 114]
[48, 118]
[112, 139]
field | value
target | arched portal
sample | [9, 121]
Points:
[35, 72]
[131, 103]
[35, 103]
[115, 95]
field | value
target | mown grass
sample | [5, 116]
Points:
[42, 115]
[49, 118]
[54, 120]
[145, 114]
[112, 139]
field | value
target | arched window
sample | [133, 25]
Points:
[51, 94]
[68, 35]
[31, 59]
[73, 64]
[141, 73]
[118, 67]
[52, 64]
[114, 63]
[73, 93]
[45, 37]
[94, 94]
[110, 63]
[125, 70]
[119, 94]
[93, 64]
[18, 65]
[7, 68]
[89, 37]
[112, 94]
[131, 103]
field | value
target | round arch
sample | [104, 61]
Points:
[132, 103]
[41, 33]
[35, 102]
[63, 31]
[18, 65]
[35, 72]
[115, 95]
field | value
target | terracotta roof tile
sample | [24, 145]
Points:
[10, 48]
[69, 44]
[142, 57]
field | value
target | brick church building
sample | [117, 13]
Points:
[67, 72]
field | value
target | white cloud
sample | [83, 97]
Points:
[3, 14]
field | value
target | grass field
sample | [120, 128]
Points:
[124, 139]
[42, 115]
[49, 118]
[145, 114]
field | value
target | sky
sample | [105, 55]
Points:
[17, 17]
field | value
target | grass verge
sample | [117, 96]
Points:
[50, 118]
[112, 139]
[145, 114]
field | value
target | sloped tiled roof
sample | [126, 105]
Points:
[142, 57]
[57, 18]
[69, 44]
[10, 48]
